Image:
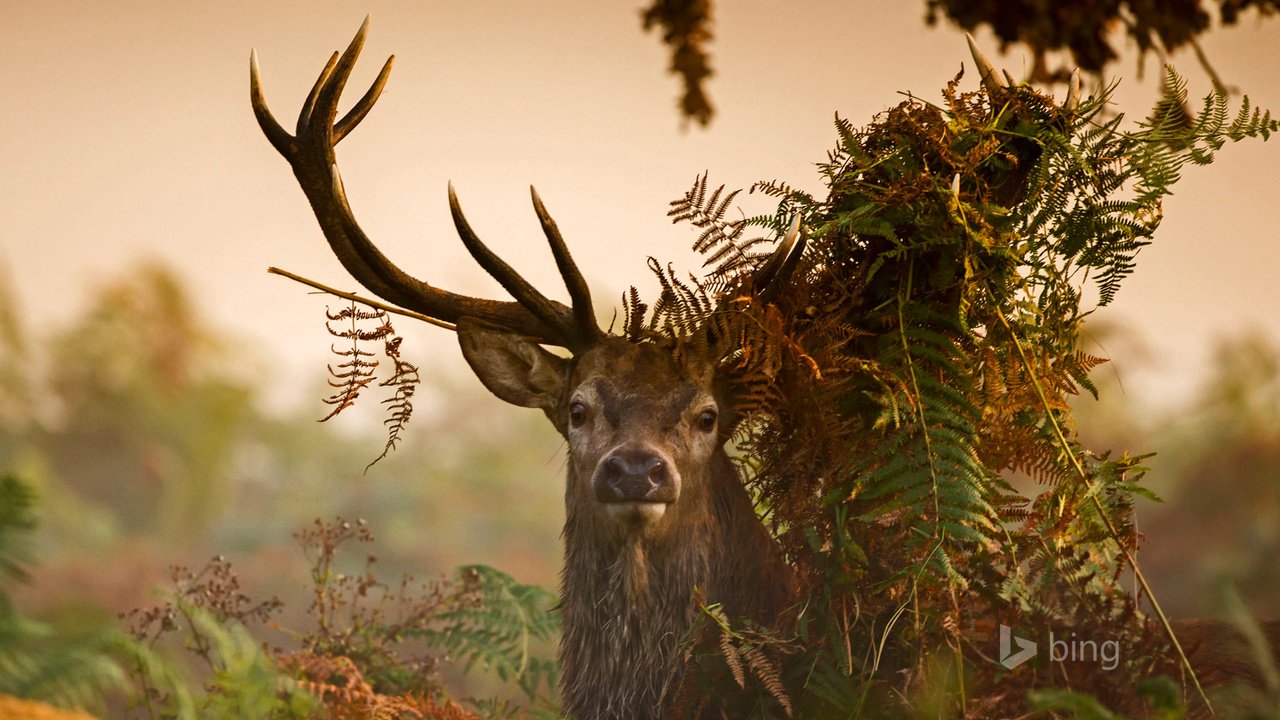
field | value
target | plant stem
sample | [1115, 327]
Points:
[362, 300]
[1106, 519]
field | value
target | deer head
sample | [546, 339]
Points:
[653, 506]
[639, 424]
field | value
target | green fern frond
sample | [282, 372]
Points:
[498, 633]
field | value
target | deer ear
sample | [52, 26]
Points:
[512, 366]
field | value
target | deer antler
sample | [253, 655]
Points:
[774, 273]
[310, 153]
[995, 84]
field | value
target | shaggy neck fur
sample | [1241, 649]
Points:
[628, 598]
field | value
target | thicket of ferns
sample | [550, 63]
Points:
[921, 362]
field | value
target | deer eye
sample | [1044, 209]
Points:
[707, 421]
[577, 414]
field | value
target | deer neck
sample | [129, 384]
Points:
[628, 600]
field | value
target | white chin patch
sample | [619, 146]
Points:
[638, 513]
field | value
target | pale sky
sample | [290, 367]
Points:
[127, 135]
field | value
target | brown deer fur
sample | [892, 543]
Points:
[628, 585]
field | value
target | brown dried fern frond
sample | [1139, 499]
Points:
[354, 373]
[731, 658]
[358, 370]
[404, 379]
[634, 313]
[720, 241]
[336, 681]
[766, 671]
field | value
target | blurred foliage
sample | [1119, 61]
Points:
[138, 393]
[1217, 466]
[17, 522]
[150, 429]
[686, 30]
[149, 447]
[1090, 30]
[63, 666]
[348, 664]
[15, 383]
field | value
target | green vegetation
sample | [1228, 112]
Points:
[40, 660]
[922, 363]
[910, 433]
[173, 425]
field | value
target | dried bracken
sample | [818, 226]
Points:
[404, 379]
[345, 694]
[12, 708]
[371, 650]
[357, 370]
[920, 363]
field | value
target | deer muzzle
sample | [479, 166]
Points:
[636, 482]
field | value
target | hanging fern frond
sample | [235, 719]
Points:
[404, 380]
[355, 371]
[496, 632]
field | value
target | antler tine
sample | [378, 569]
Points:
[995, 84]
[311, 153]
[1073, 92]
[510, 280]
[276, 134]
[775, 285]
[309, 105]
[782, 262]
[364, 104]
[326, 105]
[586, 330]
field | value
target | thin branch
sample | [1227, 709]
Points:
[362, 300]
[1106, 519]
[1218, 85]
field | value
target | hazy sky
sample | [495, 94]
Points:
[126, 135]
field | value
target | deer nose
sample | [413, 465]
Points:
[634, 475]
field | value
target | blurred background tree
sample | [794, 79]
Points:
[137, 389]
[1093, 32]
[144, 433]
[1217, 468]
[1220, 463]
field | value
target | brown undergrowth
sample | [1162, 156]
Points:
[371, 650]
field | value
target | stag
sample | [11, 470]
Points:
[656, 514]
[655, 511]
